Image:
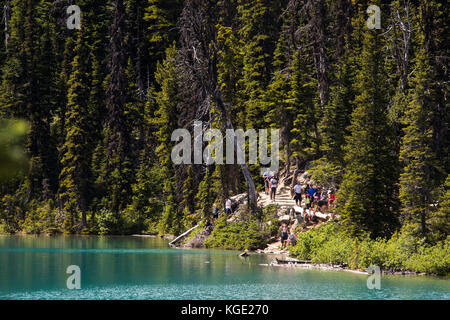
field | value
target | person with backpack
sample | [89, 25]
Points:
[284, 235]
[298, 194]
[215, 212]
[266, 181]
[273, 188]
[228, 209]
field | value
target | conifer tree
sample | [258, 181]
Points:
[167, 120]
[118, 172]
[440, 220]
[333, 128]
[302, 101]
[188, 201]
[26, 86]
[161, 18]
[257, 37]
[368, 193]
[416, 153]
[75, 151]
[205, 196]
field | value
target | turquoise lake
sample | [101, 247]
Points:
[33, 267]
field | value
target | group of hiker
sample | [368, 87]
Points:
[311, 197]
[288, 237]
[228, 209]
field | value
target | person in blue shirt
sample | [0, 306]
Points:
[311, 192]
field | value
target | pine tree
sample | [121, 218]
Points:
[333, 128]
[75, 151]
[302, 102]
[118, 171]
[416, 180]
[167, 120]
[257, 42]
[205, 197]
[279, 112]
[161, 17]
[188, 200]
[368, 192]
[26, 89]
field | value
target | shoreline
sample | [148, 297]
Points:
[290, 262]
[294, 263]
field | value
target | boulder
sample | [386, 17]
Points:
[244, 254]
[285, 219]
[239, 199]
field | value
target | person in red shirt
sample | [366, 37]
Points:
[331, 198]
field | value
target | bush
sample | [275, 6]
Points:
[107, 222]
[329, 244]
[325, 244]
[241, 235]
[431, 259]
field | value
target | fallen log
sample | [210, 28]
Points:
[181, 236]
[291, 261]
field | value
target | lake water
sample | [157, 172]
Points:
[34, 267]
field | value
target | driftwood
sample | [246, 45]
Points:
[181, 236]
[291, 261]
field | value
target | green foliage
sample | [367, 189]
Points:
[416, 180]
[44, 219]
[302, 101]
[250, 233]
[331, 244]
[12, 155]
[368, 191]
[326, 244]
[236, 235]
[101, 104]
[205, 197]
[107, 221]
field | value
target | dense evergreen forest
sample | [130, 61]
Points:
[365, 111]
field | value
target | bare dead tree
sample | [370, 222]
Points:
[6, 19]
[314, 12]
[400, 35]
[198, 65]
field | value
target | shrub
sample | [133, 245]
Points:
[107, 222]
[241, 235]
[431, 259]
[329, 244]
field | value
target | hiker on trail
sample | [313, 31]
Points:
[316, 196]
[323, 195]
[292, 239]
[323, 206]
[311, 192]
[284, 234]
[266, 182]
[215, 212]
[331, 198]
[273, 188]
[228, 209]
[307, 201]
[298, 194]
